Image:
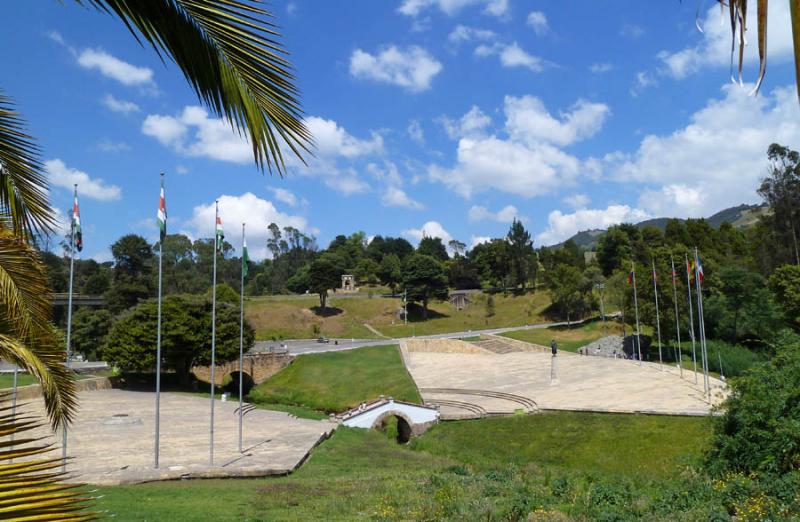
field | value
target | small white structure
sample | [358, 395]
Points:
[412, 419]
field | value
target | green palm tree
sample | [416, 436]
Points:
[230, 54]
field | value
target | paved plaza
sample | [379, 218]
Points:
[474, 382]
[111, 441]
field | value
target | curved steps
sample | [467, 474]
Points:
[246, 408]
[529, 404]
[468, 406]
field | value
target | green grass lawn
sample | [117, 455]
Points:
[569, 338]
[490, 469]
[293, 317]
[336, 381]
[23, 379]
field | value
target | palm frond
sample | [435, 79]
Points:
[23, 183]
[26, 335]
[229, 53]
[29, 489]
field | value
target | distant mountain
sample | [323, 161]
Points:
[742, 216]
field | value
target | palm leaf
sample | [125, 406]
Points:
[229, 53]
[23, 183]
[29, 490]
[795, 14]
[26, 335]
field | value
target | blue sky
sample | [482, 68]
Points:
[448, 116]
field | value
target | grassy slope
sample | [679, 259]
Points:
[336, 381]
[568, 338]
[457, 471]
[292, 316]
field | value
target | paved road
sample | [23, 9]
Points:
[301, 346]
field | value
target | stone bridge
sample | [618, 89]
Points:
[257, 368]
[412, 419]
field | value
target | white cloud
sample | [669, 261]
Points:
[95, 188]
[429, 229]
[506, 214]
[56, 37]
[497, 8]
[601, 67]
[415, 132]
[193, 133]
[257, 213]
[577, 201]
[529, 162]
[462, 34]
[291, 8]
[477, 240]
[115, 68]
[538, 21]
[511, 56]
[412, 68]
[718, 158]
[332, 140]
[180, 169]
[529, 121]
[631, 31]
[642, 80]
[471, 124]
[121, 106]
[561, 227]
[714, 48]
[396, 197]
[107, 145]
[284, 196]
[388, 173]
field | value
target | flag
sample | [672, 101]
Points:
[630, 277]
[77, 235]
[162, 214]
[220, 235]
[690, 269]
[655, 276]
[245, 258]
[699, 269]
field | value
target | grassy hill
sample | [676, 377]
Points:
[741, 216]
[298, 317]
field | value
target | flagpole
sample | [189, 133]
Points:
[162, 236]
[658, 318]
[213, 332]
[241, 339]
[69, 316]
[703, 350]
[677, 319]
[691, 315]
[636, 308]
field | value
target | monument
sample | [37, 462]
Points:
[349, 283]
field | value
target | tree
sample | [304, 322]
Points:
[781, 191]
[434, 247]
[492, 261]
[367, 271]
[424, 279]
[568, 288]
[185, 342]
[390, 272]
[613, 249]
[785, 284]
[89, 330]
[520, 246]
[757, 433]
[325, 273]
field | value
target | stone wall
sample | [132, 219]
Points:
[34, 391]
[259, 367]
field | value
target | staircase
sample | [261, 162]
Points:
[496, 346]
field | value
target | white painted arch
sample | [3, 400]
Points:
[370, 415]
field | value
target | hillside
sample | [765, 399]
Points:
[741, 216]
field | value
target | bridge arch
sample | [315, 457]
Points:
[233, 386]
[404, 424]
